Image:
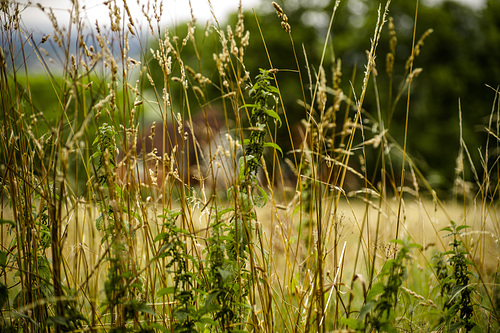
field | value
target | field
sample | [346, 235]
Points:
[171, 190]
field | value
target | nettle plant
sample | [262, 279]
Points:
[216, 290]
[379, 310]
[122, 287]
[454, 278]
[233, 258]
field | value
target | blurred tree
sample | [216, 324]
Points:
[458, 60]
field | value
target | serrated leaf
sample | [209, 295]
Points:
[455, 327]
[3, 258]
[375, 290]
[159, 327]
[260, 200]
[207, 321]
[160, 236]
[397, 241]
[99, 222]
[460, 227]
[144, 308]
[274, 114]
[165, 291]
[273, 145]
[162, 250]
[273, 89]
[365, 309]
[180, 231]
[44, 269]
[57, 320]
[470, 263]
[211, 297]
[223, 273]
[349, 322]
[387, 266]
[136, 215]
[224, 211]
[181, 315]
[414, 245]
[4, 295]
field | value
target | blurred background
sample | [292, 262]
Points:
[460, 63]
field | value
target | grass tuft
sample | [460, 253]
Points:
[151, 190]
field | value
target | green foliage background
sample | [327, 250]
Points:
[459, 59]
[460, 62]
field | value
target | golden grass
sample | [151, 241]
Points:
[314, 251]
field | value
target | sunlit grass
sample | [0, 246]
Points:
[218, 229]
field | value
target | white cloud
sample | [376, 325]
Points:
[174, 11]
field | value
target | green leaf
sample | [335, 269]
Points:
[248, 106]
[224, 211]
[387, 266]
[223, 273]
[181, 315]
[397, 241]
[455, 327]
[180, 231]
[165, 291]
[99, 222]
[260, 200]
[375, 290]
[4, 295]
[211, 297]
[349, 322]
[207, 321]
[144, 308]
[169, 215]
[414, 245]
[242, 162]
[160, 236]
[44, 269]
[137, 216]
[9, 222]
[229, 192]
[273, 145]
[273, 114]
[460, 227]
[470, 263]
[57, 320]
[159, 327]
[3, 258]
[365, 309]
[273, 89]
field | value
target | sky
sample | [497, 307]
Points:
[174, 10]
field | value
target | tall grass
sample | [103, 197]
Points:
[220, 229]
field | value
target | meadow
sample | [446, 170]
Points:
[152, 191]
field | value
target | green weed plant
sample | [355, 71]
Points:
[101, 232]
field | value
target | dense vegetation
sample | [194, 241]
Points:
[292, 179]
